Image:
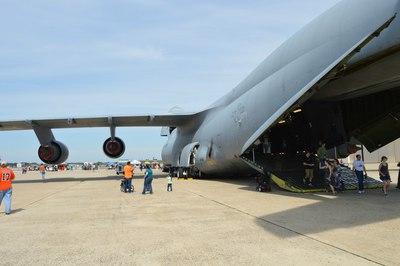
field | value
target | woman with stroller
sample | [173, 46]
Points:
[384, 175]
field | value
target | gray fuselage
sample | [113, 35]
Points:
[292, 75]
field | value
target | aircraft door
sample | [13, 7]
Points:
[188, 155]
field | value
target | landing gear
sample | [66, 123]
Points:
[186, 173]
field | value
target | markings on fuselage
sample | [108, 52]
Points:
[239, 115]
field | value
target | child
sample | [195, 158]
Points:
[169, 183]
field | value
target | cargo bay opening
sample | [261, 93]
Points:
[344, 124]
[372, 120]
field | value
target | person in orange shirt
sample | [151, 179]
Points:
[128, 175]
[6, 177]
[42, 170]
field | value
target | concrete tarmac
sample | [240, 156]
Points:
[81, 217]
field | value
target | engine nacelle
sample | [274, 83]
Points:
[168, 155]
[114, 147]
[53, 153]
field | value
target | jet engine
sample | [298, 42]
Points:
[53, 153]
[114, 147]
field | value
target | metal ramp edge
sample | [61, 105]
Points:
[348, 176]
[369, 183]
[292, 188]
[279, 181]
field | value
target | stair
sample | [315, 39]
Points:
[287, 173]
[253, 165]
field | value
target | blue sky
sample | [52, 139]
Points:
[125, 57]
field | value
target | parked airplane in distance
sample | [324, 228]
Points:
[336, 80]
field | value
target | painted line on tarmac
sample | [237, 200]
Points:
[49, 195]
[53, 193]
[285, 228]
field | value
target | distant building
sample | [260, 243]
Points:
[392, 151]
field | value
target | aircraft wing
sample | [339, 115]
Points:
[117, 121]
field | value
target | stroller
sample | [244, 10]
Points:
[339, 182]
[263, 183]
[122, 186]
[339, 186]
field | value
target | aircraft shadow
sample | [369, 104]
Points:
[247, 183]
[347, 210]
[325, 212]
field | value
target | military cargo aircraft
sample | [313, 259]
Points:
[337, 80]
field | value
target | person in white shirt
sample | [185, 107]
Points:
[359, 169]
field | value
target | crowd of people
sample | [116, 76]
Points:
[7, 176]
[329, 171]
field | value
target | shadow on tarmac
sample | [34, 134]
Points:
[248, 183]
[325, 212]
[15, 211]
[347, 210]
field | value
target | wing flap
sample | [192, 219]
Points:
[118, 121]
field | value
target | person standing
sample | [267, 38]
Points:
[322, 152]
[309, 165]
[359, 169]
[6, 177]
[333, 178]
[148, 180]
[384, 175]
[128, 175]
[42, 170]
[266, 146]
[169, 183]
[322, 157]
[330, 178]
